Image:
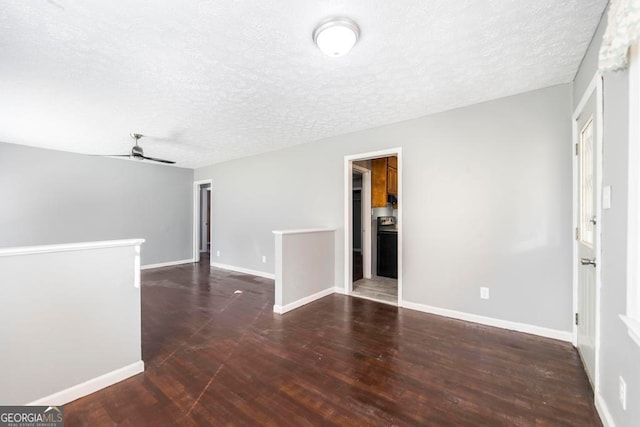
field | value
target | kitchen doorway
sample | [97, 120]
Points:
[201, 219]
[358, 227]
[380, 203]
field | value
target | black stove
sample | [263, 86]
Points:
[387, 265]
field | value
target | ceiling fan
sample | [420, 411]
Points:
[137, 152]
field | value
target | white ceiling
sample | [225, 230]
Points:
[209, 81]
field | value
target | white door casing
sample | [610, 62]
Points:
[348, 187]
[197, 217]
[587, 189]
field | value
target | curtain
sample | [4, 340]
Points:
[623, 30]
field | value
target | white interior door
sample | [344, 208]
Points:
[586, 234]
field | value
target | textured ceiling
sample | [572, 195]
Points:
[209, 81]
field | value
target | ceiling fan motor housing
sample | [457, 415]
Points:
[136, 151]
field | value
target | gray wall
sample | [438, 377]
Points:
[74, 317]
[306, 265]
[50, 197]
[619, 354]
[487, 202]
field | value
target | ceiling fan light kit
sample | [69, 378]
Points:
[336, 36]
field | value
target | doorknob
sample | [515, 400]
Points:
[587, 261]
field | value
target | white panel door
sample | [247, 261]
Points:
[588, 158]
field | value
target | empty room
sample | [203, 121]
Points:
[317, 213]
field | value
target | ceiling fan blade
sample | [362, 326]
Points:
[157, 160]
[111, 155]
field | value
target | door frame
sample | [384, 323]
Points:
[366, 220]
[594, 85]
[197, 215]
[348, 225]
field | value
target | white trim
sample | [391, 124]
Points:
[278, 288]
[348, 184]
[400, 225]
[303, 231]
[594, 85]
[633, 328]
[65, 247]
[196, 217]
[348, 256]
[599, 223]
[90, 386]
[366, 221]
[136, 267]
[574, 226]
[595, 81]
[603, 411]
[632, 318]
[167, 264]
[339, 290]
[244, 270]
[490, 321]
[373, 154]
[302, 301]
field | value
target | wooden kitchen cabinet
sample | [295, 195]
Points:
[384, 180]
[392, 162]
[392, 181]
[379, 183]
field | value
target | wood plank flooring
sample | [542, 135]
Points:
[358, 266]
[218, 358]
[378, 288]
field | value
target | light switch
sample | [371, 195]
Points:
[606, 197]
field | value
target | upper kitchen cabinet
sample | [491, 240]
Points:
[379, 183]
[392, 175]
[392, 162]
[384, 180]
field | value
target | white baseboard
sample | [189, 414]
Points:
[167, 264]
[91, 386]
[490, 321]
[302, 301]
[244, 270]
[340, 291]
[603, 411]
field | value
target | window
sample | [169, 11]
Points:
[587, 214]
[632, 318]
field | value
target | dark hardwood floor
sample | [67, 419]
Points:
[357, 267]
[214, 357]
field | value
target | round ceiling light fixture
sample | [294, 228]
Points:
[336, 36]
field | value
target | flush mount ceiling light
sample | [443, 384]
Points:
[336, 36]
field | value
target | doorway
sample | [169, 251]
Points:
[379, 281]
[358, 227]
[205, 214]
[587, 183]
[201, 219]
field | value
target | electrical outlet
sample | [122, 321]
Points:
[623, 393]
[264, 259]
[484, 293]
[217, 253]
